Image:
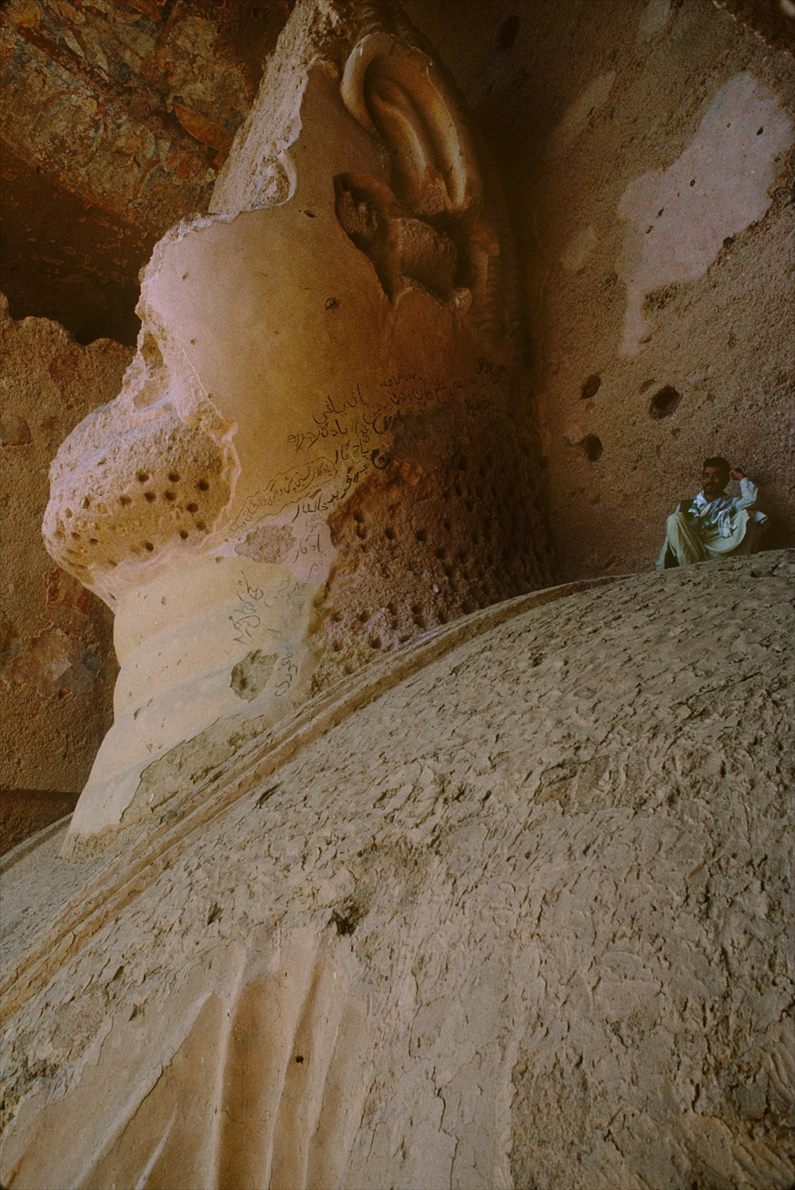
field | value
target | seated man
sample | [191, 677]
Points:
[713, 525]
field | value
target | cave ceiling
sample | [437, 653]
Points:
[115, 117]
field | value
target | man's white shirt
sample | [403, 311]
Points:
[719, 513]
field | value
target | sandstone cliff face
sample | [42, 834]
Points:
[321, 448]
[506, 909]
[57, 667]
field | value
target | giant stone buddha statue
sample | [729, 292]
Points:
[383, 877]
[322, 448]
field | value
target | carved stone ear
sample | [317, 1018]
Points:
[398, 91]
[424, 229]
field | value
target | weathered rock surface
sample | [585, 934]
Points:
[56, 655]
[507, 908]
[321, 448]
[25, 812]
[645, 149]
[114, 120]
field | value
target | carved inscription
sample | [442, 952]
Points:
[353, 432]
[259, 611]
[251, 613]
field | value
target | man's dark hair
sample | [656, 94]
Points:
[719, 463]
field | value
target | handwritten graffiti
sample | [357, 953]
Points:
[355, 432]
[292, 482]
[249, 615]
[286, 673]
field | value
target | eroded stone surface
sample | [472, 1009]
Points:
[114, 121]
[679, 218]
[518, 912]
[334, 345]
[25, 812]
[56, 657]
[720, 339]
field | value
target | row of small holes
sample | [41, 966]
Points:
[479, 587]
[661, 405]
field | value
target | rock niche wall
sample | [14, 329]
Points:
[593, 118]
[370, 892]
[645, 147]
[57, 666]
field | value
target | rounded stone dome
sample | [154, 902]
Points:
[508, 908]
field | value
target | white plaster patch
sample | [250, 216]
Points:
[677, 219]
[579, 249]
[653, 19]
[578, 113]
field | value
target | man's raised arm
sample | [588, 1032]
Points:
[748, 489]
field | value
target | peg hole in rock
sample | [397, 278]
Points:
[664, 402]
[508, 31]
[590, 387]
[591, 446]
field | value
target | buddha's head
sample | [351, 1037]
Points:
[349, 281]
[325, 391]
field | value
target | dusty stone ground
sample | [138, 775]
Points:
[512, 910]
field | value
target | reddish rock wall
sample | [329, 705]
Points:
[644, 148]
[116, 118]
[57, 667]
[114, 121]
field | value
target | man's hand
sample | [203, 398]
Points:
[684, 506]
[737, 473]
